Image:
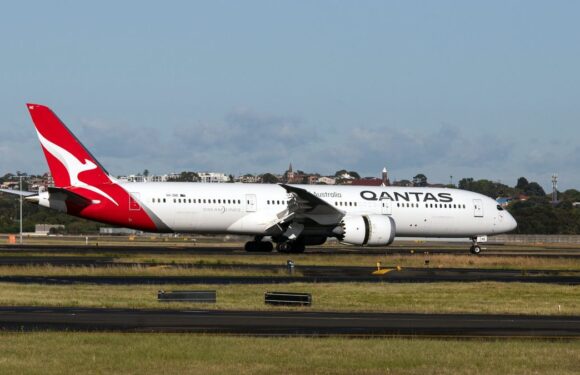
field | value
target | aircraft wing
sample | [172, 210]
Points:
[307, 205]
[17, 192]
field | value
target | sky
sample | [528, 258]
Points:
[444, 88]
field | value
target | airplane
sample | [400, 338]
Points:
[290, 216]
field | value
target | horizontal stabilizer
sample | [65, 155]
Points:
[68, 196]
[17, 192]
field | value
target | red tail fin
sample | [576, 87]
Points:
[71, 165]
[67, 158]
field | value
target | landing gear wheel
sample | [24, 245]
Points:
[283, 247]
[298, 247]
[251, 246]
[475, 250]
[291, 247]
[258, 246]
[266, 246]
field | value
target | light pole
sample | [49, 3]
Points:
[20, 177]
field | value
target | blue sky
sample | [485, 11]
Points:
[469, 89]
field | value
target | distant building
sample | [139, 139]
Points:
[312, 179]
[326, 180]
[368, 181]
[213, 177]
[291, 177]
[504, 201]
[45, 229]
[158, 178]
[117, 231]
[404, 183]
[250, 179]
[132, 178]
[385, 177]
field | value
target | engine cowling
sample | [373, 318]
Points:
[369, 230]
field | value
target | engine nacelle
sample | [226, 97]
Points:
[369, 230]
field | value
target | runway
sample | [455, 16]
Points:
[287, 323]
[320, 274]
[454, 249]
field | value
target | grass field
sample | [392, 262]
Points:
[111, 353]
[486, 297]
[411, 260]
[416, 260]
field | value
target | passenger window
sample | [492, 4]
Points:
[164, 200]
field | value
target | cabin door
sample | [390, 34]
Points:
[250, 202]
[477, 208]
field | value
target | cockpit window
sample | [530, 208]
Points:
[499, 208]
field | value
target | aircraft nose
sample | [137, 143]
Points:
[511, 223]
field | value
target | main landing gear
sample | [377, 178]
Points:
[475, 249]
[291, 247]
[259, 246]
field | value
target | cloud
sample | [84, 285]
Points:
[244, 141]
[404, 148]
[116, 140]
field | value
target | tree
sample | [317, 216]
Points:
[354, 174]
[522, 183]
[571, 195]
[269, 178]
[486, 187]
[420, 180]
[534, 190]
[146, 173]
[185, 176]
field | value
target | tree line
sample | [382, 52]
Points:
[532, 208]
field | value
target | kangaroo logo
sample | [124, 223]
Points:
[73, 166]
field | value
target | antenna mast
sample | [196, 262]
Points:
[554, 188]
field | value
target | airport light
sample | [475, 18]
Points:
[20, 177]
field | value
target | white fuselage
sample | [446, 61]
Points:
[253, 208]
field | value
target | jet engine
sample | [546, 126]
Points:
[369, 230]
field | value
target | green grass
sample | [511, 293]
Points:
[112, 353]
[411, 260]
[415, 260]
[485, 297]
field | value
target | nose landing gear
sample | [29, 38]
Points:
[475, 249]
